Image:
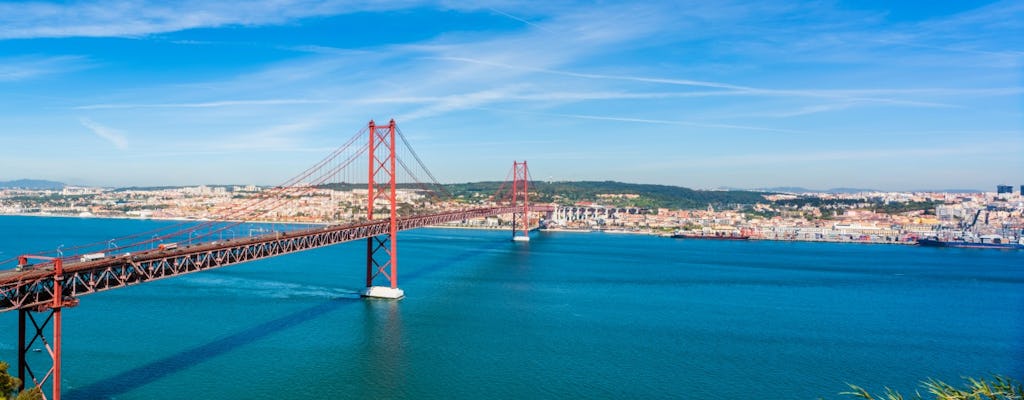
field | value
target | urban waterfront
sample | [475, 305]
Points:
[591, 315]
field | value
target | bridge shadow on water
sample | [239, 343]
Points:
[143, 375]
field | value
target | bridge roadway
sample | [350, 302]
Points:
[34, 287]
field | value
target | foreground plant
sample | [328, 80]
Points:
[9, 386]
[999, 388]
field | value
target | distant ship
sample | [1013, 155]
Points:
[983, 242]
[713, 236]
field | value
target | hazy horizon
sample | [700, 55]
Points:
[716, 188]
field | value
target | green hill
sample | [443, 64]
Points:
[617, 194]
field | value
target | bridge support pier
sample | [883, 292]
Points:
[520, 189]
[382, 250]
[48, 314]
[36, 329]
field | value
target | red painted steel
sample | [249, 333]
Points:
[21, 347]
[37, 288]
[394, 209]
[34, 286]
[382, 140]
[371, 190]
[47, 287]
[520, 179]
[58, 302]
[53, 314]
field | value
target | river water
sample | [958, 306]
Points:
[568, 315]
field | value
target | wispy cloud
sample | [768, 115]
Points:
[538, 95]
[725, 74]
[281, 137]
[684, 82]
[115, 137]
[114, 18]
[485, 144]
[683, 123]
[211, 104]
[830, 156]
[651, 121]
[860, 94]
[456, 102]
[176, 154]
[535, 25]
[833, 107]
[30, 67]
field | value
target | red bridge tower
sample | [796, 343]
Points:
[520, 189]
[382, 250]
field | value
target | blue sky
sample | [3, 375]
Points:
[703, 94]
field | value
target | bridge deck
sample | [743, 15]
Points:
[35, 287]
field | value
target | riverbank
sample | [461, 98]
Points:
[758, 312]
[771, 239]
[467, 227]
[173, 219]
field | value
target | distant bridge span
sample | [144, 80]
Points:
[35, 288]
[39, 292]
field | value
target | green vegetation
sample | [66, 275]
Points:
[620, 194]
[819, 202]
[750, 214]
[689, 226]
[999, 388]
[829, 207]
[9, 386]
[897, 208]
[646, 196]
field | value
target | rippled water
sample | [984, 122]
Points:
[567, 315]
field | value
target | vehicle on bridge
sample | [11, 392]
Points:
[92, 257]
[41, 292]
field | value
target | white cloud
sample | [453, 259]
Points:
[114, 137]
[849, 156]
[281, 137]
[30, 67]
[446, 104]
[527, 22]
[684, 123]
[121, 18]
[210, 104]
[653, 121]
[684, 82]
[740, 90]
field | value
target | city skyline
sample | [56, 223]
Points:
[818, 95]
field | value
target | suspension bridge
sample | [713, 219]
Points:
[43, 283]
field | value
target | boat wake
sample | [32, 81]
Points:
[264, 288]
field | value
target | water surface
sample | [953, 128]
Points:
[583, 315]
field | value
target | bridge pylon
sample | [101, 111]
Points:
[382, 250]
[40, 317]
[520, 189]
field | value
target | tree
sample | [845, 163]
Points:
[31, 394]
[1000, 388]
[9, 387]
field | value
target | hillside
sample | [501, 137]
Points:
[615, 193]
[32, 184]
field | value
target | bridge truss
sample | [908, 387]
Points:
[39, 292]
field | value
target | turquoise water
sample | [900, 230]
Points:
[569, 315]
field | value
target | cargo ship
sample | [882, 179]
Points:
[713, 236]
[982, 242]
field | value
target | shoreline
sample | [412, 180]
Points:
[481, 228]
[172, 219]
